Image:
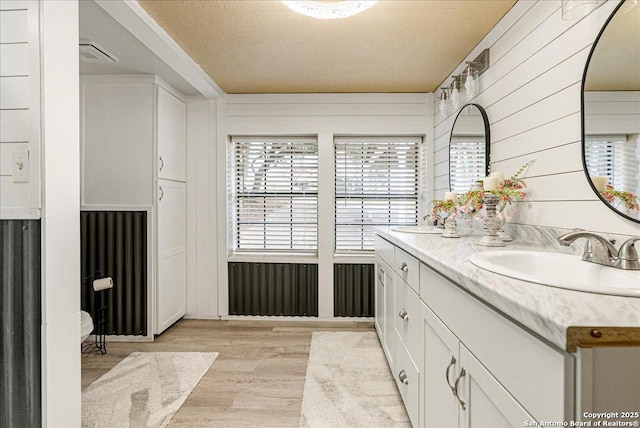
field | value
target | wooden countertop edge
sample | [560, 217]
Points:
[601, 337]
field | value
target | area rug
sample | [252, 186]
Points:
[348, 384]
[144, 390]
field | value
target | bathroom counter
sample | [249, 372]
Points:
[565, 318]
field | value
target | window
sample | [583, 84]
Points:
[275, 194]
[376, 184]
[614, 157]
[466, 162]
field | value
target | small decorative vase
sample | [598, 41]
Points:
[501, 233]
[491, 223]
[450, 228]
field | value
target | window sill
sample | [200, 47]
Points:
[273, 257]
[356, 258]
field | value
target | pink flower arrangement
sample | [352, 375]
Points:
[471, 202]
[628, 199]
[440, 207]
[513, 190]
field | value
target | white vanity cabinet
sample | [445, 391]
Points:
[398, 319]
[467, 365]
[133, 143]
[456, 389]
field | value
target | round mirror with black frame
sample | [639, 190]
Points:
[611, 112]
[469, 148]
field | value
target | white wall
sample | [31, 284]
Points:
[532, 97]
[61, 214]
[612, 113]
[324, 116]
[202, 249]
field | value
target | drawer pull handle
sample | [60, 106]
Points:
[446, 373]
[161, 193]
[404, 314]
[456, 392]
[404, 267]
[161, 163]
[402, 376]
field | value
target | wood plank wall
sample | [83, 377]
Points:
[531, 94]
[19, 107]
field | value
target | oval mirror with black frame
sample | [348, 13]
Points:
[611, 112]
[469, 148]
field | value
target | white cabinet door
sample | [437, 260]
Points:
[440, 367]
[379, 299]
[171, 136]
[171, 288]
[486, 402]
[389, 308]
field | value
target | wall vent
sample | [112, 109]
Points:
[92, 52]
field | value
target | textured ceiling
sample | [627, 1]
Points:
[264, 47]
[615, 64]
[134, 57]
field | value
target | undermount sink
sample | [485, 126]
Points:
[417, 229]
[560, 270]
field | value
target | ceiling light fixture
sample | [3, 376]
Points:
[628, 6]
[464, 87]
[328, 10]
[574, 9]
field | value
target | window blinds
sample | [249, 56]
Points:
[614, 157]
[599, 158]
[376, 184]
[466, 162]
[275, 194]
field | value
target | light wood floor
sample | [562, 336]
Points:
[257, 380]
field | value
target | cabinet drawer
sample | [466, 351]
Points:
[408, 268]
[408, 380]
[384, 249]
[407, 319]
[536, 374]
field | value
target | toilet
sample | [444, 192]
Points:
[86, 325]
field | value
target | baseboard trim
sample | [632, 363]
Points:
[120, 338]
[200, 317]
[294, 319]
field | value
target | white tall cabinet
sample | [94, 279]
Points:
[134, 158]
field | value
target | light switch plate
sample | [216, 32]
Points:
[20, 162]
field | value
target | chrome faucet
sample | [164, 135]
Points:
[600, 250]
[438, 222]
[628, 256]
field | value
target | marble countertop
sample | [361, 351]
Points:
[547, 311]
